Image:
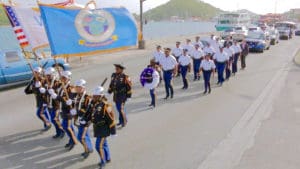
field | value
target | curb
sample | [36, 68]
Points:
[297, 58]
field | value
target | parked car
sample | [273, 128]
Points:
[227, 33]
[274, 35]
[15, 70]
[258, 41]
[284, 33]
[253, 28]
[240, 33]
[297, 32]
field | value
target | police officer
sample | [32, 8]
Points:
[102, 117]
[221, 59]
[197, 56]
[120, 86]
[35, 87]
[169, 66]
[177, 52]
[65, 95]
[82, 100]
[185, 66]
[52, 85]
[237, 52]
[207, 67]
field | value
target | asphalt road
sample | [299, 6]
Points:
[252, 122]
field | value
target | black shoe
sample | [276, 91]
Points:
[108, 161]
[71, 147]
[47, 128]
[166, 98]
[67, 145]
[62, 135]
[172, 96]
[209, 91]
[101, 165]
[85, 155]
[119, 124]
[56, 136]
[204, 92]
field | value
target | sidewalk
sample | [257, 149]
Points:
[297, 58]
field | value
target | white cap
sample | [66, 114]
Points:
[80, 83]
[98, 91]
[50, 71]
[38, 70]
[66, 74]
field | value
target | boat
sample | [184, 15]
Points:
[231, 20]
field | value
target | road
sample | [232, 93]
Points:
[252, 122]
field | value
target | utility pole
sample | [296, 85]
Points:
[141, 36]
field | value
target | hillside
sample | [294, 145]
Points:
[182, 9]
[3, 17]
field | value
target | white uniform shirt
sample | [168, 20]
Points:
[190, 48]
[197, 54]
[158, 55]
[177, 52]
[207, 65]
[184, 60]
[214, 44]
[208, 50]
[168, 63]
[237, 48]
[229, 51]
[199, 43]
[221, 57]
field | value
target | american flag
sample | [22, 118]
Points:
[16, 26]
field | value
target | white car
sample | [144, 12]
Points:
[240, 33]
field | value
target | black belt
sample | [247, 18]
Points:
[169, 70]
[207, 71]
[221, 62]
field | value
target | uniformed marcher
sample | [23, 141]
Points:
[185, 66]
[189, 46]
[102, 117]
[35, 87]
[197, 56]
[198, 42]
[158, 54]
[244, 54]
[221, 59]
[177, 52]
[237, 52]
[230, 54]
[52, 85]
[169, 66]
[208, 50]
[208, 68]
[120, 86]
[65, 95]
[82, 100]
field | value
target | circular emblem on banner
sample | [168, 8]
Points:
[95, 25]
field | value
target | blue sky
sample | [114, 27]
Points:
[258, 6]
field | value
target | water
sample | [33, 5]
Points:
[156, 30]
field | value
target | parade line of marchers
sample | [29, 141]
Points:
[64, 105]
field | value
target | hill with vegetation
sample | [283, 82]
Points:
[3, 18]
[183, 9]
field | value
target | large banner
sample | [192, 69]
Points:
[32, 24]
[79, 31]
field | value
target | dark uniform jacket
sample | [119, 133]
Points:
[81, 105]
[103, 121]
[62, 98]
[120, 86]
[55, 85]
[245, 49]
[31, 89]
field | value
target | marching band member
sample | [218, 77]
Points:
[102, 116]
[207, 67]
[81, 103]
[185, 65]
[120, 86]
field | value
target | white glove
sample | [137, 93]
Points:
[38, 84]
[82, 122]
[42, 90]
[73, 112]
[45, 105]
[69, 102]
[51, 91]
[53, 96]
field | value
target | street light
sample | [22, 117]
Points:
[141, 36]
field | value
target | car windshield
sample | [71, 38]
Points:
[255, 36]
[238, 28]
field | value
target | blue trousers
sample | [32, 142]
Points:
[206, 76]
[84, 137]
[43, 115]
[168, 76]
[184, 70]
[235, 63]
[69, 129]
[196, 63]
[220, 69]
[153, 97]
[102, 149]
[56, 122]
[122, 115]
